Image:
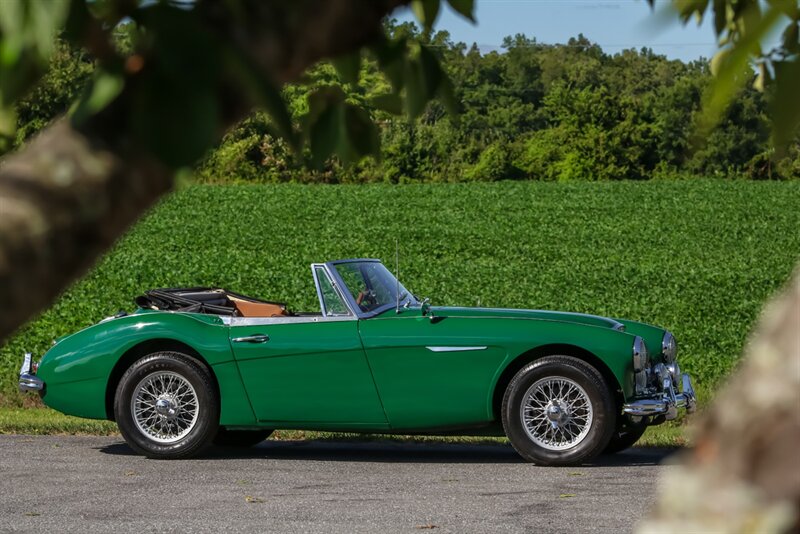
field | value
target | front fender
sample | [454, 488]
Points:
[610, 346]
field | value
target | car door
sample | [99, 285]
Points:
[307, 370]
[431, 373]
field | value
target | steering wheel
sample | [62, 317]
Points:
[366, 299]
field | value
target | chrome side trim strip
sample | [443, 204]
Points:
[261, 321]
[455, 349]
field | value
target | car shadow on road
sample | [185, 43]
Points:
[394, 452]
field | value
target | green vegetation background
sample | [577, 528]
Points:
[534, 112]
[698, 257]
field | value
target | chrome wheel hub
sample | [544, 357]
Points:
[556, 413]
[164, 407]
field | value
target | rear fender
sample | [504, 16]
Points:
[78, 369]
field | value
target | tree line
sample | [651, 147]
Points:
[530, 112]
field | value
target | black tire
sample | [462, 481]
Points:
[144, 375]
[240, 438]
[625, 435]
[598, 424]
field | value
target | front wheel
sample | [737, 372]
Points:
[166, 406]
[626, 434]
[558, 411]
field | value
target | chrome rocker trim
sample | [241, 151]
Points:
[667, 402]
[27, 380]
[454, 349]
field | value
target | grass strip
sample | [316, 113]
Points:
[45, 421]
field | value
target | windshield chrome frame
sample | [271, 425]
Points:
[338, 287]
[349, 299]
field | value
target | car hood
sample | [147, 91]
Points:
[543, 315]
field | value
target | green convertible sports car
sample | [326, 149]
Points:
[196, 366]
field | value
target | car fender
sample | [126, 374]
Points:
[77, 369]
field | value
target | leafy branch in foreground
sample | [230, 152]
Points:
[194, 69]
[742, 27]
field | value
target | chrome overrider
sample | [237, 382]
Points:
[669, 397]
[28, 381]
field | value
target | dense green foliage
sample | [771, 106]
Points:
[699, 257]
[565, 112]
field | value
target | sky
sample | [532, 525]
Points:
[613, 24]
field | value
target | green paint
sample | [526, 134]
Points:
[374, 374]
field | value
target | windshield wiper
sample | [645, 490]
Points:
[402, 297]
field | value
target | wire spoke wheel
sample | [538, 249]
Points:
[556, 413]
[164, 407]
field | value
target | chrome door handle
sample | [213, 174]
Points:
[255, 338]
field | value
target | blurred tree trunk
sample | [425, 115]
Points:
[72, 192]
[743, 475]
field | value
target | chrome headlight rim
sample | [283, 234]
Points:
[640, 355]
[669, 347]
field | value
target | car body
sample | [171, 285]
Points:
[374, 359]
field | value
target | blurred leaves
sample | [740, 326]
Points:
[427, 11]
[348, 66]
[785, 105]
[264, 93]
[30, 26]
[27, 34]
[101, 91]
[174, 108]
[389, 102]
[416, 76]
[336, 127]
[743, 28]
[465, 8]
[182, 70]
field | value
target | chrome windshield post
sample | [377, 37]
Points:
[315, 268]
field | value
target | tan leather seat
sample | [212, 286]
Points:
[258, 309]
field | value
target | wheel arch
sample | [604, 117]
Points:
[142, 349]
[563, 349]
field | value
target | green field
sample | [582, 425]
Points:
[698, 257]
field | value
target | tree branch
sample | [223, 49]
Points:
[72, 192]
[64, 200]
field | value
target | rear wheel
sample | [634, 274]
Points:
[166, 406]
[558, 411]
[240, 438]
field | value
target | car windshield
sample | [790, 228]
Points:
[372, 285]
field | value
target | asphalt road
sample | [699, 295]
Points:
[96, 484]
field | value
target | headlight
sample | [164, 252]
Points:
[640, 356]
[669, 347]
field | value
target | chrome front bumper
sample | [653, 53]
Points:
[28, 381]
[667, 402]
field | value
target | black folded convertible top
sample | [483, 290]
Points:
[214, 301]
